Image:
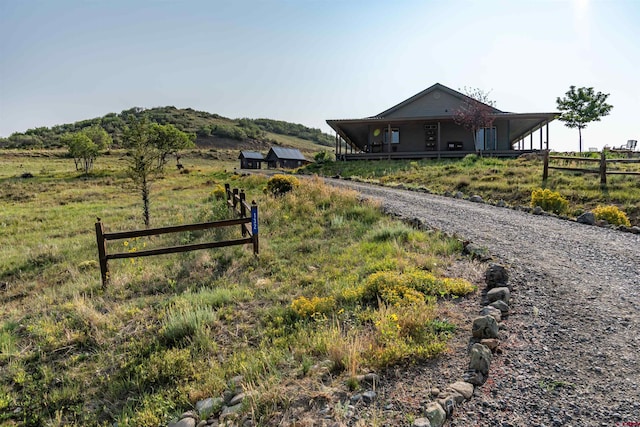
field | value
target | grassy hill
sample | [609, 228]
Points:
[211, 130]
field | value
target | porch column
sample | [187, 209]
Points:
[547, 126]
[531, 140]
[438, 143]
[389, 138]
[336, 145]
[540, 137]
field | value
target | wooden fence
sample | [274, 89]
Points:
[602, 169]
[236, 200]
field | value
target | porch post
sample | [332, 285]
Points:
[438, 144]
[547, 125]
[336, 145]
[389, 138]
[509, 135]
[531, 140]
[540, 137]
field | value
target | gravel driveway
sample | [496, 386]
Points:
[571, 349]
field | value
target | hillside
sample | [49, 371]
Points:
[211, 130]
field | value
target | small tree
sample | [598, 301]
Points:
[582, 106]
[86, 145]
[475, 112]
[148, 147]
[168, 139]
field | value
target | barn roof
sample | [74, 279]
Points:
[286, 153]
[253, 155]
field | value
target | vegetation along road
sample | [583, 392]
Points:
[570, 353]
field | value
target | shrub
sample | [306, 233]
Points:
[549, 200]
[305, 307]
[219, 192]
[282, 184]
[611, 214]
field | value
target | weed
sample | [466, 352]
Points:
[611, 214]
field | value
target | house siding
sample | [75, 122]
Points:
[428, 105]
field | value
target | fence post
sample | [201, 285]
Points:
[254, 226]
[235, 198]
[603, 168]
[243, 213]
[102, 254]
[545, 168]
[227, 192]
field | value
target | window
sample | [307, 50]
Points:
[395, 136]
[487, 139]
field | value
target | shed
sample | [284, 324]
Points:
[250, 160]
[288, 158]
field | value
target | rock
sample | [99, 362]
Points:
[458, 195]
[435, 414]
[587, 218]
[474, 377]
[476, 252]
[602, 223]
[484, 327]
[356, 398]
[496, 276]
[480, 358]
[491, 311]
[464, 388]
[185, 422]
[501, 203]
[368, 378]
[238, 398]
[501, 305]
[491, 343]
[421, 422]
[208, 406]
[635, 229]
[499, 294]
[202, 423]
[189, 414]
[450, 401]
[369, 396]
[230, 411]
[435, 391]
[476, 199]
[537, 210]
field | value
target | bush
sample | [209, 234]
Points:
[612, 215]
[550, 201]
[305, 307]
[282, 184]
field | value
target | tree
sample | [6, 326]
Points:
[168, 139]
[475, 112]
[86, 145]
[582, 106]
[148, 146]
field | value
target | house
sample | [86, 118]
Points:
[288, 158]
[250, 160]
[423, 126]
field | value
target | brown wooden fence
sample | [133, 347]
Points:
[602, 169]
[236, 200]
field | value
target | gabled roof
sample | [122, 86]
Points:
[424, 93]
[253, 155]
[286, 153]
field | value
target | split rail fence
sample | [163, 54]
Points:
[602, 170]
[247, 218]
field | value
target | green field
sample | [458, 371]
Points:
[510, 180]
[335, 281]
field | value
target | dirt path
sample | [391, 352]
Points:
[572, 347]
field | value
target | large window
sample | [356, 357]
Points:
[395, 136]
[486, 139]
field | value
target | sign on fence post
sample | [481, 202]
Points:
[254, 226]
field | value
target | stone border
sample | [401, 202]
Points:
[484, 339]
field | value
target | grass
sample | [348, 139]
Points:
[336, 281]
[510, 180]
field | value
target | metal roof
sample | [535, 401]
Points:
[253, 155]
[287, 153]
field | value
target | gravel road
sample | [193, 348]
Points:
[571, 347]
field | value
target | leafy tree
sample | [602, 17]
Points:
[86, 145]
[148, 145]
[475, 112]
[582, 106]
[169, 140]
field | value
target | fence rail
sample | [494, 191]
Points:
[235, 199]
[602, 169]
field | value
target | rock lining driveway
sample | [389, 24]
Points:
[571, 356]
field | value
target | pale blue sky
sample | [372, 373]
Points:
[306, 61]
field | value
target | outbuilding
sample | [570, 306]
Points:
[288, 158]
[250, 160]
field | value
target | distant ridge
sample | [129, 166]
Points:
[211, 130]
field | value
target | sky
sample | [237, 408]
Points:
[306, 61]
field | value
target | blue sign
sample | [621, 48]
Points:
[254, 220]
